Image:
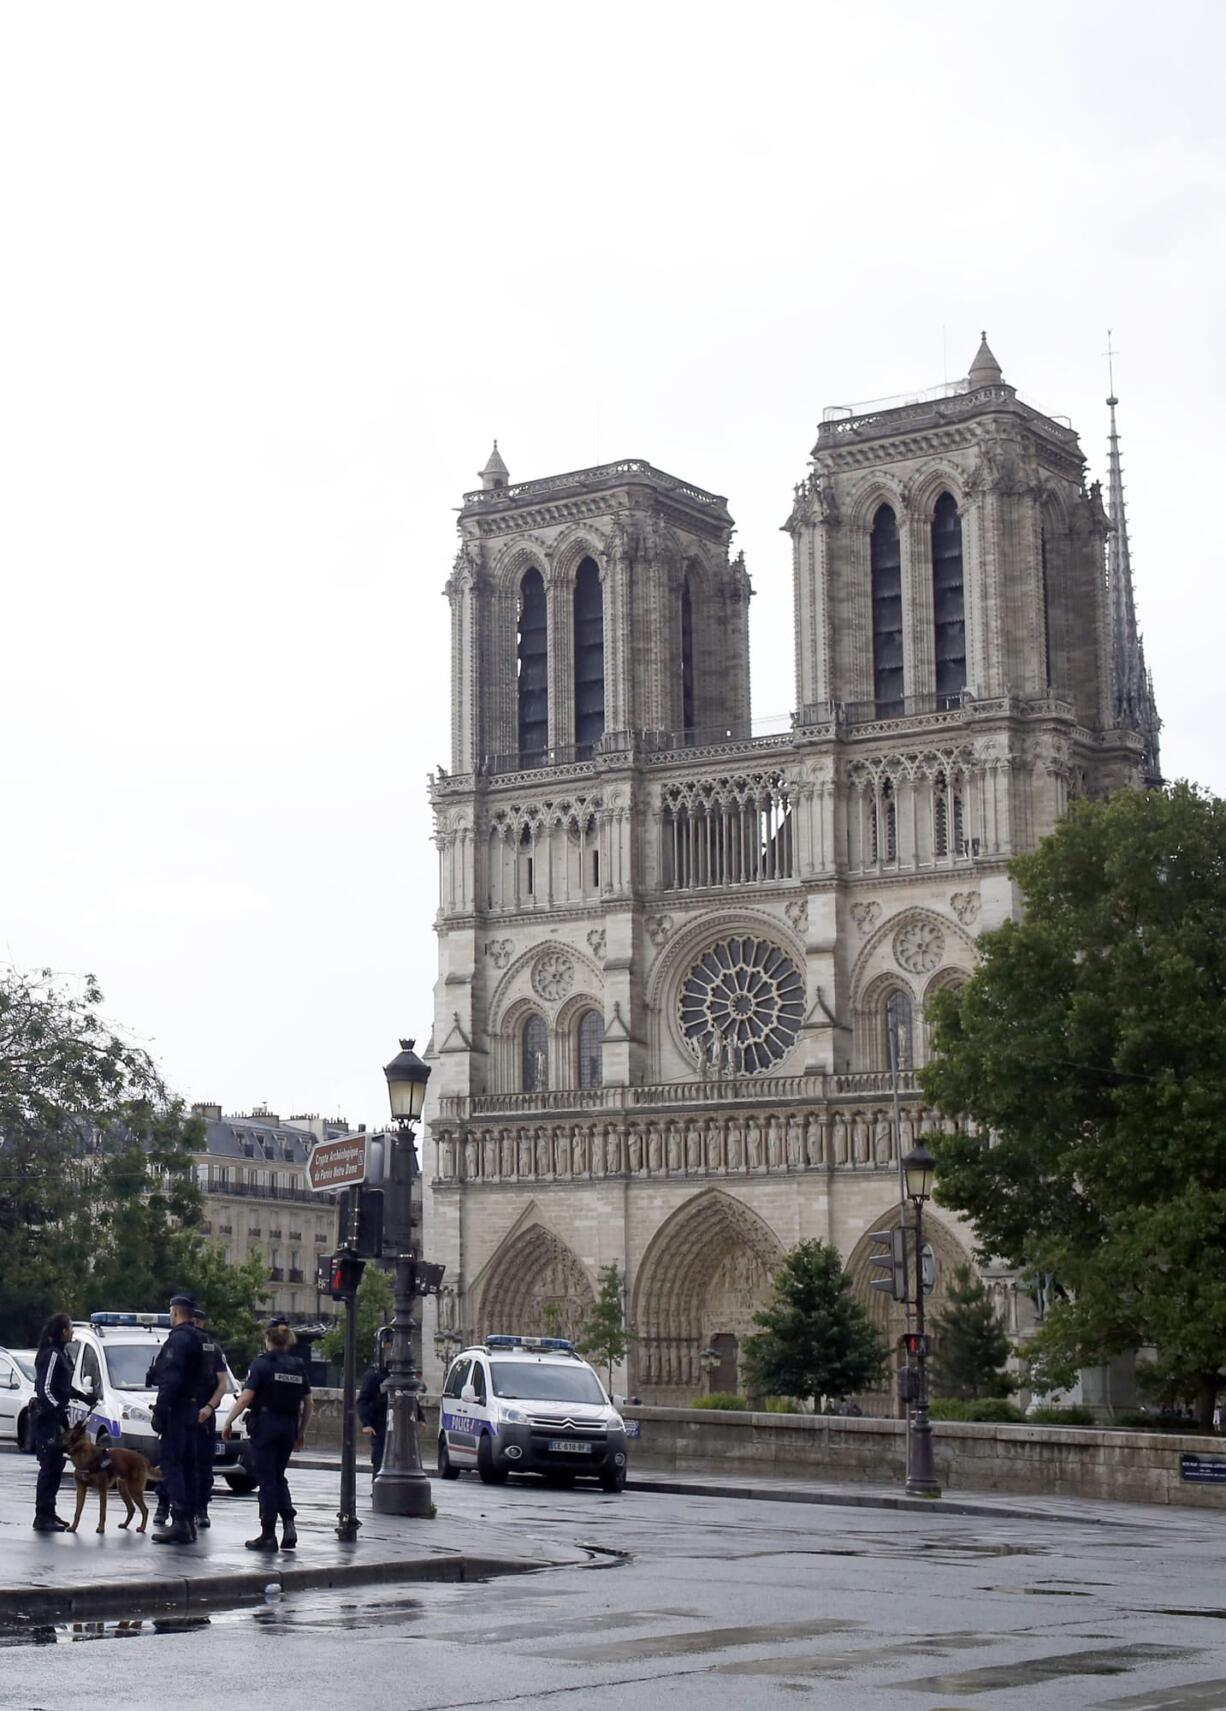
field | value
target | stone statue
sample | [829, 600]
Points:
[447, 1156]
[561, 1153]
[774, 1143]
[470, 1158]
[693, 1147]
[794, 1149]
[578, 1152]
[655, 1150]
[859, 1132]
[715, 1147]
[734, 1145]
[674, 1148]
[489, 1154]
[840, 1139]
[544, 1159]
[525, 1153]
[882, 1136]
[755, 1145]
[613, 1152]
[634, 1148]
[814, 1151]
[540, 1071]
[508, 1153]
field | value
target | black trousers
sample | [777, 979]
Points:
[48, 1447]
[272, 1442]
[376, 1450]
[178, 1459]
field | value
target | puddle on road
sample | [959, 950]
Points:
[130, 1628]
[1032, 1672]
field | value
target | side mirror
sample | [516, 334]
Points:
[619, 1402]
[468, 1394]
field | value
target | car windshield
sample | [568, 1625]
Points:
[128, 1363]
[545, 1382]
[27, 1366]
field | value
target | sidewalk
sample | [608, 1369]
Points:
[63, 1577]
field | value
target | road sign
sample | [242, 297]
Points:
[337, 1164]
[1203, 1470]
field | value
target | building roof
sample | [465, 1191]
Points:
[256, 1138]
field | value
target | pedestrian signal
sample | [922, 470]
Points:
[916, 1345]
[892, 1260]
[344, 1275]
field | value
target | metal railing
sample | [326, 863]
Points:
[698, 1090]
[626, 470]
[621, 746]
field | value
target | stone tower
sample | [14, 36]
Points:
[677, 958]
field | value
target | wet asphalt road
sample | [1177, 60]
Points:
[696, 1602]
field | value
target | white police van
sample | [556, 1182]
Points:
[111, 1355]
[529, 1405]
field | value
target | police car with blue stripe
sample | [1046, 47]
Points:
[529, 1405]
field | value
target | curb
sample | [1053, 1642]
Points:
[185, 1595]
[853, 1499]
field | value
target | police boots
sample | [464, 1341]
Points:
[180, 1532]
[267, 1540]
[289, 1533]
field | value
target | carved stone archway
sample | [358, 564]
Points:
[534, 1286]
[705, 1273]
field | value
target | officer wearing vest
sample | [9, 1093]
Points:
[212, 1389]
[179, 1374]
[53, 1389]
[278, 1393]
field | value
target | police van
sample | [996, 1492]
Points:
[529, 1405]
[111, 1355]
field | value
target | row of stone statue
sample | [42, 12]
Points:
[685, 1146]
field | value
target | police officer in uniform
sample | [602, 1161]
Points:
[53, 1390]
[372, 1400]
[179, 1372]
[212, 1389]
[278, 1393]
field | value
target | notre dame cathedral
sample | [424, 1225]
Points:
[681, 965]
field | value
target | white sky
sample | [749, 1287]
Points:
[274, 276]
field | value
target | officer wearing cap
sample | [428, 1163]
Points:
[179, 1374]
[278, 1394]
[213, 1377]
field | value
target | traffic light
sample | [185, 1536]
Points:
[344, 1274]
[892, 1260]
[916, 1345]
[429, 1277]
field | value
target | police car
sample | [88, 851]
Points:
[529, 1405]
[111, 1356]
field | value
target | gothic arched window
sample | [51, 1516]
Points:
[687, 657]
[1045, 594]
[589, 658]
[885, 565]
[898, 1041]
[948, 606]
[533, 1055]
[591, 1051]
[533, 663]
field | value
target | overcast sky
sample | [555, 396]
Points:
[274, 277]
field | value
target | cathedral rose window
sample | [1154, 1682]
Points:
[742, 1004]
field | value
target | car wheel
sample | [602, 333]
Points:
[446, 1467]
[613, 1479]
[25, 1434]
[489, 1474]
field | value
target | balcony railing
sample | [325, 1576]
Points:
[699, 1090]
[295, 1276]
[276, 1274]
[622, 746]
[259, 1191]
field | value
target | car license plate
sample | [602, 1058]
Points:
[219, 1448]
[570, 1446]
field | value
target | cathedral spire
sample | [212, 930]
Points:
[1132, 686]
[495, 475]
[985, 370]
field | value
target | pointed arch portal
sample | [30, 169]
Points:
[705, 1273]
[535, 1286]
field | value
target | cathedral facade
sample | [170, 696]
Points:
[683, 968]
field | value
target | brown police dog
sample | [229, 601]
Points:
[127, 1470]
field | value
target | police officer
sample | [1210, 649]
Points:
[53, 1390]
[372, 1400]
[278, 1393]
[179, 1372]
[212, 1388]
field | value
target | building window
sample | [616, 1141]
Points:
[534, 1062]
[533, 665]
[1045, 595]
[885, 564]
[948, 610]
[591, 1034]
[687, 657]
[899, 1034]
[589, 658]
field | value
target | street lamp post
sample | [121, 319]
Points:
[710, 1359]
[918, 1169]
[401, 1486]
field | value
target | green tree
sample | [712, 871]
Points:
[970, 1345]
[374, 1308]
[96, 1181]
[1089, 1055]
[605, 1337]
[816, 1339]
[232, 1297]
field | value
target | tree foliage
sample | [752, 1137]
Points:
[374, 1308]
[970, 1345]
[98, 1204]
[816, 1339]
[231, 1296]
[1089, 1052]
[605, 1337]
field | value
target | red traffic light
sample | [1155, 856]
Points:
[915, 1345]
